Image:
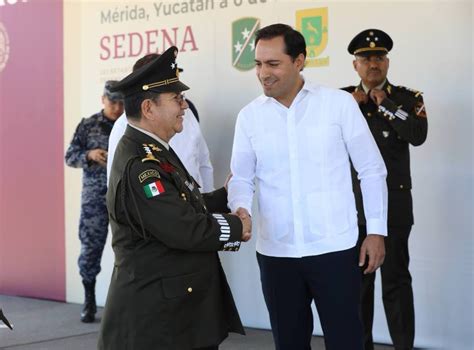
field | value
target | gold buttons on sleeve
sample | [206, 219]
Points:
[190, 290]
[401, 186]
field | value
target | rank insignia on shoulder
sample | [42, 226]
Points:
[420, 110]
[154, 189]
[149, 154]
[147, 174]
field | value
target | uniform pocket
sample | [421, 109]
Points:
[182, 296]
[179, 286]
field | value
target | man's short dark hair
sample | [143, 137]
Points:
[133, 102]
[294, 41]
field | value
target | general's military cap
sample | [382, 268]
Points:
[370, 42]
[159, 75]
[112, 96]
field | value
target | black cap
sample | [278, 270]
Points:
[112, 96]
[370, 42]
[159, 75]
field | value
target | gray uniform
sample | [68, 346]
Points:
[91, 133]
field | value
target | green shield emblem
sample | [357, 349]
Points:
[312, 30]
[243, 42]
[313, 25]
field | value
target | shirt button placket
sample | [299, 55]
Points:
[294, 176]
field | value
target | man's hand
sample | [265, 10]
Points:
[374, 247]
[377, 96]
[244, 216]
[97, 155]
[360, 97]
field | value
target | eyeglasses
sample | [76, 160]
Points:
[178, 98]
[366, 60]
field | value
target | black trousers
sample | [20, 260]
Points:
[397, 293]
[332, 280]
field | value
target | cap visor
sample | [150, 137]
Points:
[174, 87]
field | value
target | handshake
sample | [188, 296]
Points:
[246, 220]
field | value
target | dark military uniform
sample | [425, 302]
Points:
[91, 133]
[399, 121]
[168, 289]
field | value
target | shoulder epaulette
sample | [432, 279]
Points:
[415, 92]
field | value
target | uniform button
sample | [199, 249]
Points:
[190, 290]
[369, 114]
[401, 186]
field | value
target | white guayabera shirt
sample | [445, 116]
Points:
[298, 158]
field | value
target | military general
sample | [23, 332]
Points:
[168, 289]
[396, 116]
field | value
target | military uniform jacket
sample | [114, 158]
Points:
[399, 121]
[91, 133]
[168, 288]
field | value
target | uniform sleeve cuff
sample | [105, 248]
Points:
[231, 231]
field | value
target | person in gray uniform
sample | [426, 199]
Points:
[88, 150]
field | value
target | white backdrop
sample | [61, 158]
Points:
[433, 52]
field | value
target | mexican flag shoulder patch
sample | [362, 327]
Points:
[154, 189]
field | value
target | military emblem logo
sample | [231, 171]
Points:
[243, 42]
[4, 47]
[313, 24]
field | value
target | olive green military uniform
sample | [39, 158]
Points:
[399, 121]
[168, 288]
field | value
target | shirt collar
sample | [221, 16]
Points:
[163, 143]
[380, 86]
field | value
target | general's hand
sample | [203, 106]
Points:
[377, 96]
[244, 216]
[374, 247]
[360, 97]
[98, 155]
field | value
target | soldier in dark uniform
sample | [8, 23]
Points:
[397, 118]
[88, 150]
[168, 288]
